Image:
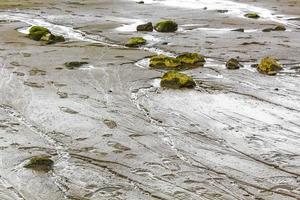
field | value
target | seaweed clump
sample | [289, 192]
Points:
[40, 163]
[183, 61]
[166, 26]
[269, 66]
[39, 33]
[74, 64]
[252, 15]
[177, 80]
[136, 42]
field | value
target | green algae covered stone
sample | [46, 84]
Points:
[233, 63]
[74, 64]
[166, 26]
[136, 42]
[191, 59]
[277, 28]
[177, 80]
[40, 163]
[252, 15]
[145, 27]
[37, 32]
[269, 66]
[280, 28]
[165, 62]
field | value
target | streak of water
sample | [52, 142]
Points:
[234, 8]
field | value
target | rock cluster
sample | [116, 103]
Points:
[166, 26]
[181, 62]
[174, 79]
[39, 33]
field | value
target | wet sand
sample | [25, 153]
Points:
[114, 134]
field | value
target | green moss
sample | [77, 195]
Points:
[74, 64]
[166, 26]
[252, 15]
[280, 28]
[269, 66]
[177, 80]
[136, 42]
[233, 64]
[165, 62]
[183, 61]
[40, 163]
[192, 59]
[145, 27]
[37, 32]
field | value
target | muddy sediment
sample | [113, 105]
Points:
[114, 133]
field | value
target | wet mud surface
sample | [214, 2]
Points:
[114, 134]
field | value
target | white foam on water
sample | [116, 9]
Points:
[219, 76]
[158, 51]
[87, 67]
[156, 83]
[222, 30]
[151, 40]
[130, 27]
[144, 63]
[24, 30]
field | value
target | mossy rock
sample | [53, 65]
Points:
[51, 39]
[280, 28]
[177, 80]
[269, 66]
[191, 59]
[40, 163]
[74, 64]
[40, 33]
[166, 26]
[145, 27]
[181, 62]
[136, 42]
[37, 32]
[277, 28]
[252, 15]
[233, 64]
[165, 62]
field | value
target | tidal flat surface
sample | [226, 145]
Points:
[115, 134]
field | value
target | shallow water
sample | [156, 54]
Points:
[233, 8]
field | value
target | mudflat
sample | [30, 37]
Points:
[96, 109]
